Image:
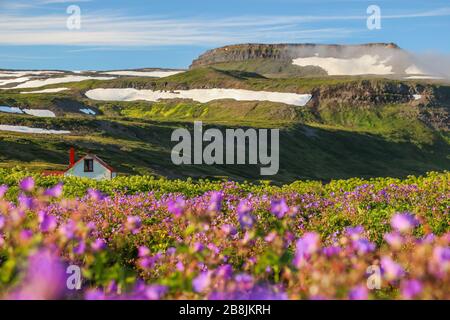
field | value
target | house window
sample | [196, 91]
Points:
[88, 165]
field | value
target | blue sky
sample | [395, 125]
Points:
[117, 34]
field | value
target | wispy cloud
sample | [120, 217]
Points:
[116, 30]
[112, 29]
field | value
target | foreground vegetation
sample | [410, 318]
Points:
[144, 238]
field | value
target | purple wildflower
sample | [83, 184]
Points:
[155, 291]
[228, 229]
[262, 292]
[215, 202]
[95, 294]
[354, 232]
[441, 258]
[177, 206]
[27, 184]
[306, 246]
[3, 190]
[25, 235]
[411, 288]
[146, 262]
[98, 245]
[133, 224]
[279, 208]
[55, 191]
[363, 246]
[391, 270]
[224, 271]
[180, 266]
[359, 293]
[171, 251]
[25, 202]
[198, 247]
[80, 248]
[45, 278]
[143, 251]
[95, 195]
[403, 222]
[394, 239]
[331, 251]
[68, 229]
[2, 221]
[211, 246]
[244, 215]
[47, 222]
[201, 282]
[271, 236]
[244, 281]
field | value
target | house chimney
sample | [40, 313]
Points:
[72, 157]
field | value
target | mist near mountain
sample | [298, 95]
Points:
[437, 63]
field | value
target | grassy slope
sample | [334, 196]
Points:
[306, 152]
[331, 142]
[271, 68]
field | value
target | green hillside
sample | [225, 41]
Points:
[352, 127]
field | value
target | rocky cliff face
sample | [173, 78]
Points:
[242, 52]
[431, 102]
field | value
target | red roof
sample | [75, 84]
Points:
[93, 156]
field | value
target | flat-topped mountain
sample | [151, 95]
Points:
[241, 52]
[381, 59]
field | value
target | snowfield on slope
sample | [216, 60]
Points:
[413, 69]
[65, 79]
[88, 111]
[40, 113]
[14, 80]
[10, 109]
[33, 112]
[366, 64]
[424, 78]
[153, 74]
[25, 129]
[200, 95]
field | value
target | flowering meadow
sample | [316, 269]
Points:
[144, 238]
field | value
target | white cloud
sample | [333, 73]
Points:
[108, 28]
[116, 30]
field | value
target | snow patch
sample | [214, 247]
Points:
[367, 64]
[413, 69]
[54, 90]
[33, 112]
[24, 129]
[40, 113]
[10, 109]
[424, 77]
[88, 111]
[15, 80]
[66, 79]
[200, 95]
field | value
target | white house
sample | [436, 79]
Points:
[89, 166]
